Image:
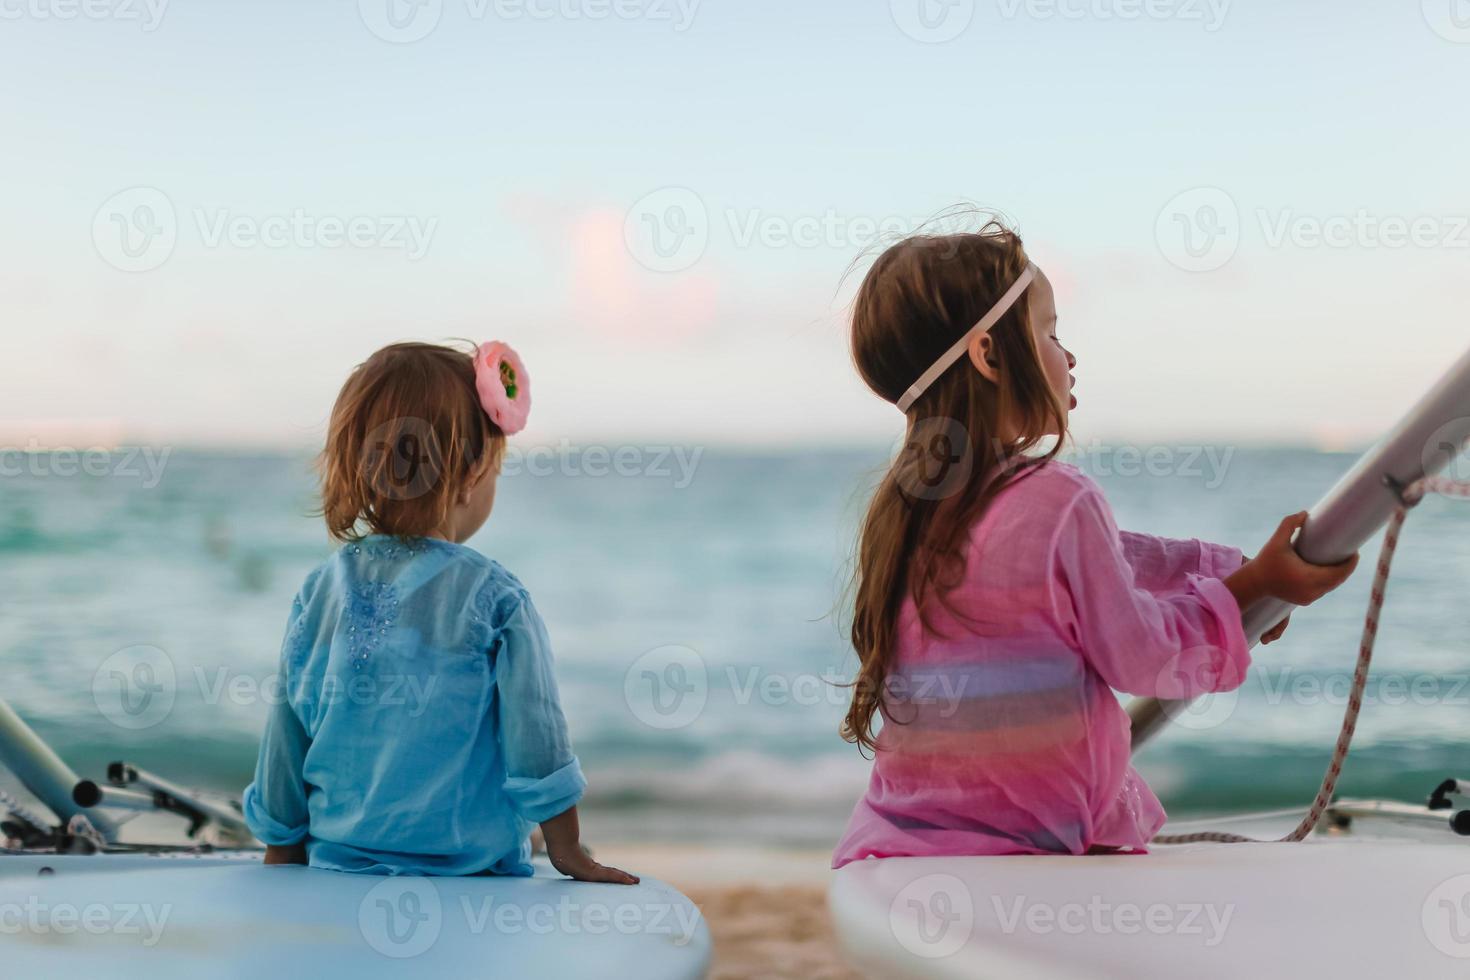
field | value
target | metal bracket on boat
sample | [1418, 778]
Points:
[67, 796]
[1440, 800]
[1344, 815]
[1400, 490]
[157, 793]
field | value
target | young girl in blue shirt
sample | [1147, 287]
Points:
[421, 730]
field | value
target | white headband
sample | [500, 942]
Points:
[947, 359]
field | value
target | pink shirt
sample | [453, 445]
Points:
[1002, 734]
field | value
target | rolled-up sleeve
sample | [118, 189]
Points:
[1161, 564]
[543, 777]
[1173, 642]
[275, 803]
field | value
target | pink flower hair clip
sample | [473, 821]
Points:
[504, 386]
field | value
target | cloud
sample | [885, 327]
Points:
[608, 295]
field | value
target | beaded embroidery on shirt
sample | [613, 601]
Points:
[371, 610]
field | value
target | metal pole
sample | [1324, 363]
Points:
[1424, 442]
[42, 772]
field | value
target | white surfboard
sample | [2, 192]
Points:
[1373, 902]
[190, 917]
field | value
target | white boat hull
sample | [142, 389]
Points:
[1389, 898]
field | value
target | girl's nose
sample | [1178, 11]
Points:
[1071, 359]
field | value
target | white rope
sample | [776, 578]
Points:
[10, 803]
[1409, 498]
[80, 826]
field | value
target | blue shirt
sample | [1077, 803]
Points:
[420, 730]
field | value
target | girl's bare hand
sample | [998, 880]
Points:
[1283, 574]
[578, 864]
[289, 854]
[1274, 633]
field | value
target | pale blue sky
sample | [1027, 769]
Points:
[517, 145]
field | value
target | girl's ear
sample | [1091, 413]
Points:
[982, 355]
[467, 489]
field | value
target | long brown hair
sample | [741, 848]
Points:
[918, 299]
[407, 432]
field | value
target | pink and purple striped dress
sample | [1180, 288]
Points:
[1002, 733]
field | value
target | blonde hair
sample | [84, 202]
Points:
[407, 432]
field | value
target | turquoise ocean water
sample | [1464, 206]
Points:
[720, 579]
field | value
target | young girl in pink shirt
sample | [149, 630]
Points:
[998, 606]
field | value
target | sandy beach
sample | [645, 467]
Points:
[766, 908]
